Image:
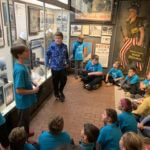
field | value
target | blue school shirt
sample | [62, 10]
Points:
[146, 82]
[29, 147]
[115, 73]
[48, 141]
[2, 120]
[89, 146]
[133, 80]
[93, 68]
[78, 49]
[109, 137]
[127, 122]
[57, 56]
[22, 79]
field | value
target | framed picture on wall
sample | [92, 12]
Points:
[85, 29]
[1, 95]
[33, 21]
[1, 30]
[106, 39]
[95, 30]
[107, 30]
[94, 10]
[76, 30]
[9, 93]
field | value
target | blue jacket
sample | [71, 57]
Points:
[57, 56]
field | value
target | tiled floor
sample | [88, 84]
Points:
[81, 106]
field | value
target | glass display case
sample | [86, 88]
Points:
[38, 22]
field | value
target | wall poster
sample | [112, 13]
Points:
[95, 30]
[85, 29]
[94, 10]
[76, 30]
[107, 30]
[106, 39]
[102, 50]
[34, 14]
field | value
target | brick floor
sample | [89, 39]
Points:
[81, 106]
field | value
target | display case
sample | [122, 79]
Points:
[40, 21]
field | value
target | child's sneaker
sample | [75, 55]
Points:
[109, 84]
[88, 87]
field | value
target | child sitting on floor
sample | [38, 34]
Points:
[115, 75]
[110, 134]
[126, 119]
[131, 82]
[55, 137]
[18, 140]
[89, 136]
[93, 73]
[131, 141]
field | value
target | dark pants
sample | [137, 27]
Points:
[4, 136]
[132, 88]
[111, 80]
[59, 80]
[24, 119]
[92, 80]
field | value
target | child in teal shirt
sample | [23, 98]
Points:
[110, 134]
[89, 136]
[126, 119]
[55, 137]
[115, 75]
[24, 92]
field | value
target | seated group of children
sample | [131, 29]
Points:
[93, 75]
[118, 132]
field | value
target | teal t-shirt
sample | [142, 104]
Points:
[109, 137]
[78, 49]
[133, 80]
[115, 73]
[2, 120]
[29, 147]
[22, 80]
[48, 141]
[127, 122]
[93, 68]
[146, 82]
[89, 146]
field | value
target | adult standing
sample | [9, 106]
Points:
[57, 60]
[133, 36]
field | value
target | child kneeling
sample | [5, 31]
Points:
[93, 73]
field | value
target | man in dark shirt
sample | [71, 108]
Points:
[133, 36]
[57, 60]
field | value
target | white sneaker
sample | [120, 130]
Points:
[109, 84]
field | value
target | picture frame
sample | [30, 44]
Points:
[76, 30]
[2, 42]
[102, 50]
[105, 39]
[95, 10]
[1, 95]
[85, 29]
[9, 93]
[33, 21]
[107, 30]
[95, 30]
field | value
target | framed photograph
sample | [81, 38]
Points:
[1, 96]
[1, 30]
[41, 20]
[102, 50]
[107, 30]
[49, 20]
[34, 14]
[94, 10]
[85, 29]
[9, 93]
[106, 39]
[76, 30]
[95, 30]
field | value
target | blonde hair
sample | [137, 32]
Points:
[132, 141]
